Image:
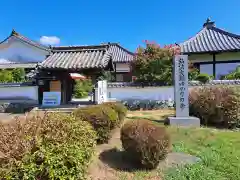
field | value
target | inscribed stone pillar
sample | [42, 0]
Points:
[181, 95]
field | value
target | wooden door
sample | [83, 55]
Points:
[55, 86]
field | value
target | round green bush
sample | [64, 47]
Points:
[216, 105]
[204, 78]
[146, 142]
[102, 118]
[119, 108]
[63, 150]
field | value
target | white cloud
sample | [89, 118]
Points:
[4, 61]
[50, 40]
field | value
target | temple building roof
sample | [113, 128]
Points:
[17, 65]
[211, 39]
[82, 57]
[24, 39]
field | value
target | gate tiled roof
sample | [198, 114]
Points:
[82, 57]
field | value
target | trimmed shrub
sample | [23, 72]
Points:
[119, 108]
[146, 142]
[218, 105]
[17, 138]
[62, 149]
[102, 118]
[204, 78]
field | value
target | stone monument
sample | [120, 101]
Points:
[102, 92]
[181, 94]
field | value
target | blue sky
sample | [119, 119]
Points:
[126, 21]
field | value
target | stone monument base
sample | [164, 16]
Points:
[184, 121]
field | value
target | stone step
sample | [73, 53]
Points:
[55, 109]
[68, 112]
[67, 109]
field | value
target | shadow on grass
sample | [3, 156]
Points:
[119, 160]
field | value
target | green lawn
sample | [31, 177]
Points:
[219, 151]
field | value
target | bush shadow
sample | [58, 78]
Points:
[119, 160]
[18, 108]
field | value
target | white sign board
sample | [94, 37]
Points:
[181, 85]
[102, 91]
[51, 98]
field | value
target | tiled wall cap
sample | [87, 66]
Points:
[190, 83]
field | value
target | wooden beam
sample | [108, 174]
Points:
[214, 66]
[115, 71]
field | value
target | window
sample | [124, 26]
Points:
[206, 69]
[225, 68]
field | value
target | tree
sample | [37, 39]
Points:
[193, 72]
[155, 64]
[82, 88]
[106, 75]
[15, 75]
[5, 76]
[18, 75]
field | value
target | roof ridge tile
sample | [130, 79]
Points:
[27, 40]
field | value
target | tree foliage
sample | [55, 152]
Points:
[15, 75]
[106, 75]
[154, 64]
[18, 75]
[5, 76]
[82, 88]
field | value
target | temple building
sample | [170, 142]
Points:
[213, 51]
[17, 51]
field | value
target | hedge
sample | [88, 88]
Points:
[102, 118]
[56, 146]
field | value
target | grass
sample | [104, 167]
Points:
[219, 151]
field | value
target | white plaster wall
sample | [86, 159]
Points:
[228, 56]
[122, 67]
[151, 93]
[16, 51]
[22, 92]
[200, 58]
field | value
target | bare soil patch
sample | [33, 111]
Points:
[112, 163]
